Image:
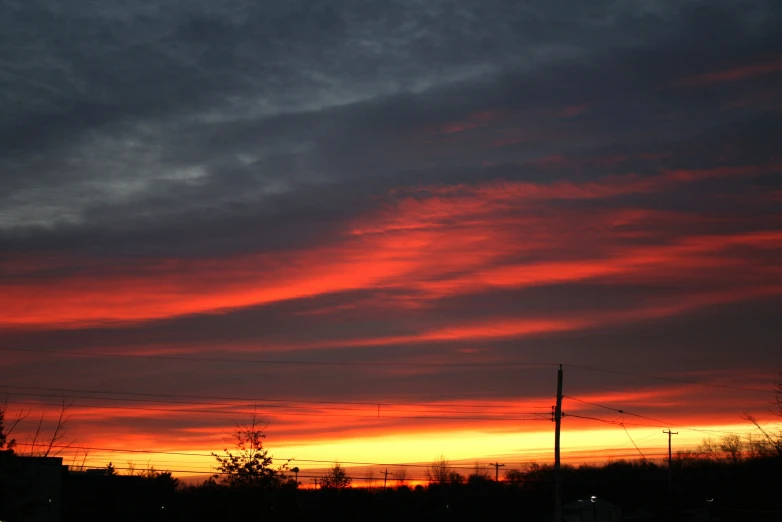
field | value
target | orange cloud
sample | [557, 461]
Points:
[425, 244]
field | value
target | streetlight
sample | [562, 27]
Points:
[594, 508]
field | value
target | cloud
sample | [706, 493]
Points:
[260, 126]
[385, 181]
[434, 242]
[735, 74]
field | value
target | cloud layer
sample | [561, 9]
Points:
[388, 182]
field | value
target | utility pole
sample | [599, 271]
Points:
[497, 467]
[314, 483]
[385, 478]
[557, 471]
[670, 460]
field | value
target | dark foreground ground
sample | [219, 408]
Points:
[749, 490]
[730, 490]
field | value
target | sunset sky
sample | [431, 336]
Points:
[384, 224]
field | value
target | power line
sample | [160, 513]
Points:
[611, 456]
[310, 414]
[663, 422]
[220, 411]
[193, 471]
[617, 423]
[612, 422]
[127, 399]
[631, 440]
[376, 363]
[250, 399]
[670, 379]
[278, 361]
[293, 459]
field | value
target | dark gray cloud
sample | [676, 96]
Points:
[132, 119]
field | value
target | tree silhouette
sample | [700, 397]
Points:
[479, 476]
[776, 404]
[731, 446]
[369, 478]
[336, 478]
[400, 474]
[514, 476]
[727, 448]
[46, 447]
[438, 471]
[7, 428]
[40, 446]
[79, 465]
[441, 472]
[770, 442]
[250, 465]
[162, 480]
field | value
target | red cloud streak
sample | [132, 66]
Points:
[445, 241]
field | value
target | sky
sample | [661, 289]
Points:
[381, 225]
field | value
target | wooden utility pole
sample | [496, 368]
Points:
[497, 467]
[557, 470]
[385, 478]
[670, 460]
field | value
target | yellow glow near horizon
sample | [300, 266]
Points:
[463, 447]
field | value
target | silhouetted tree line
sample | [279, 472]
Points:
[737, 489]
[734, 478]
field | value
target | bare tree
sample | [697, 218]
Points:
[439, 471]
[480, 475]
[76, 463]
[728, 448]
[684, 458]
[756, 446]
[150, 472]
[731, 446]
[369, 478]
[514, 476]
[7, 427]
[41, 446]
[480, 471]
[710, 448]
[770, 441]
[400, 475]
